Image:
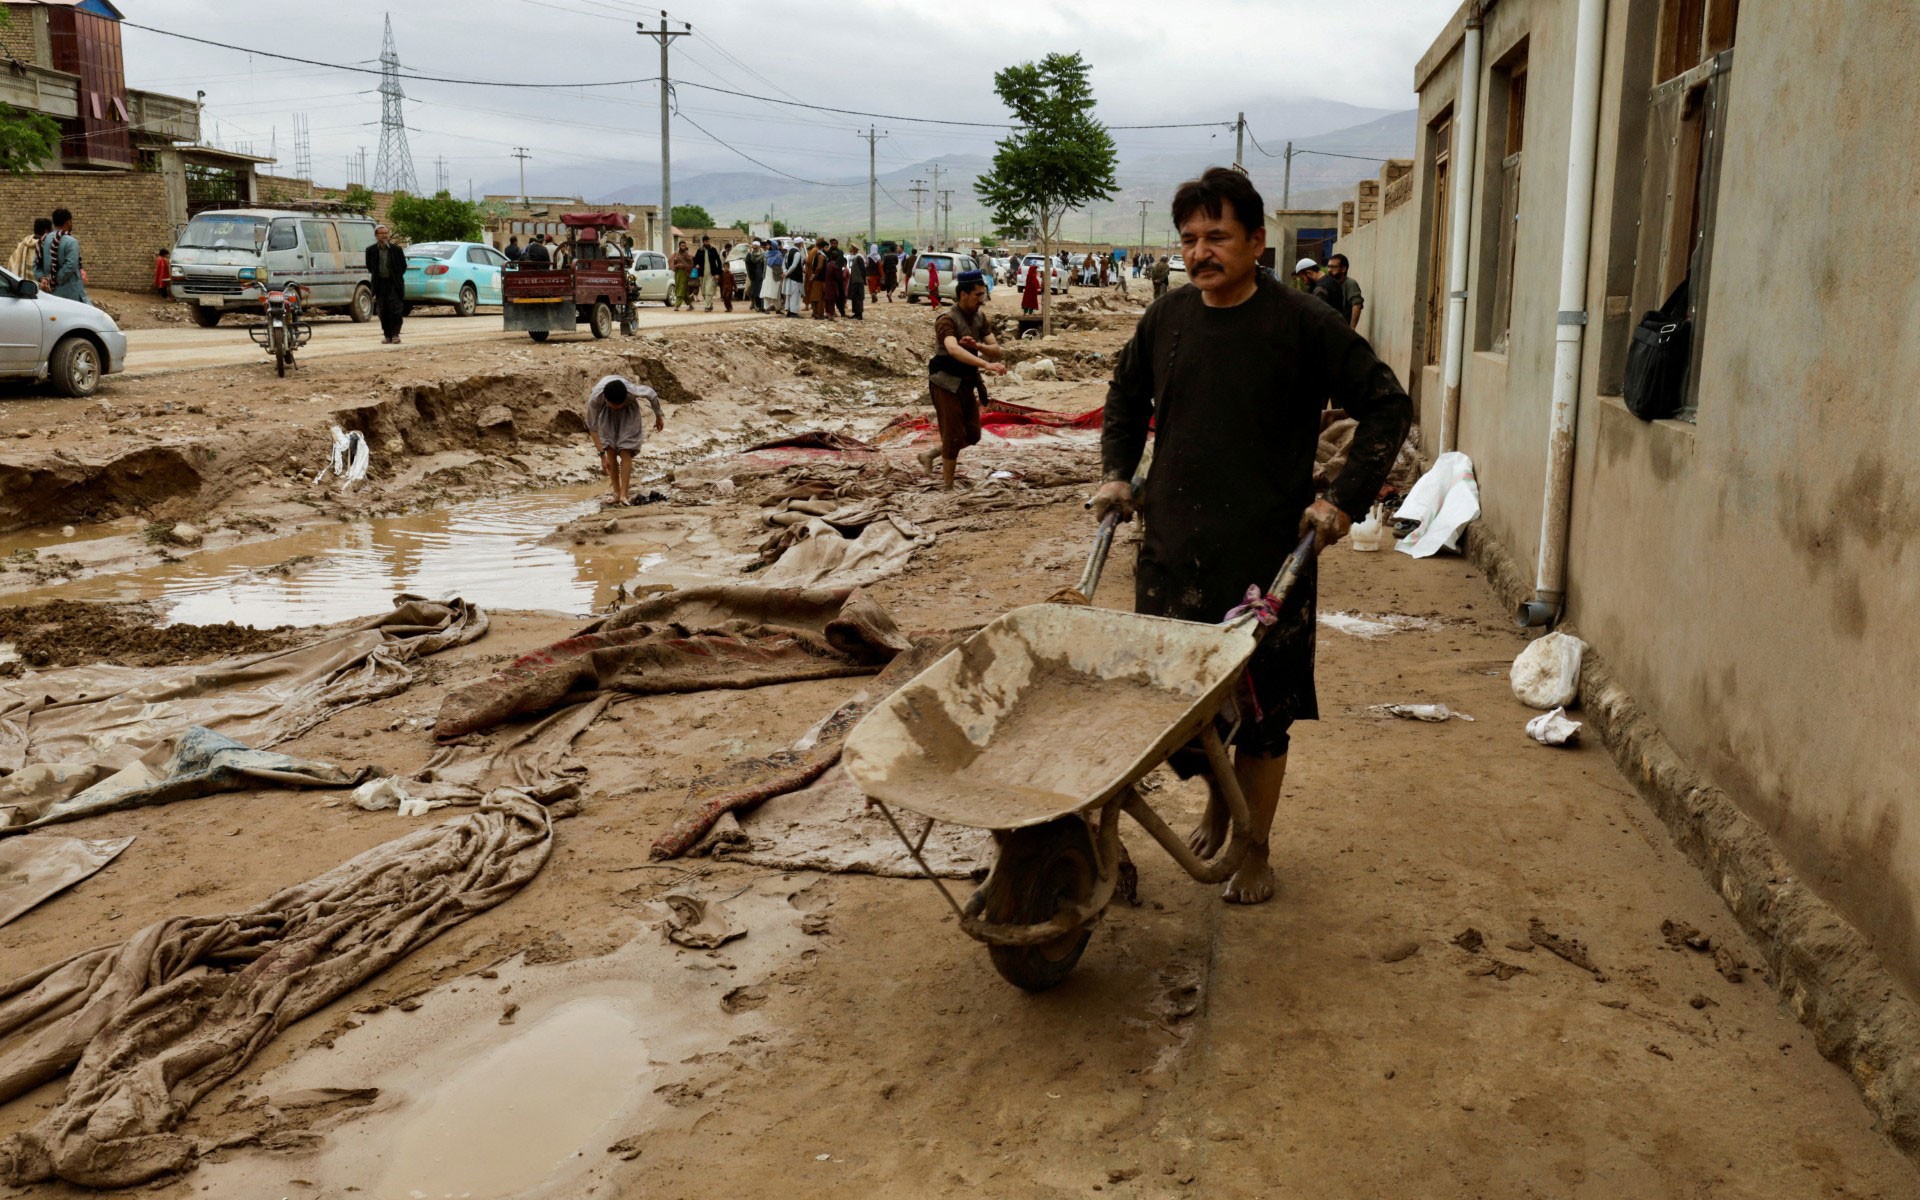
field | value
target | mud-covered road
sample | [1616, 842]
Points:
[1394, 1023]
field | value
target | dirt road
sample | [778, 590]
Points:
[1395, 1023]
[154, 351]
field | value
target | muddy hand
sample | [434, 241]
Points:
[1327, 522]
[1115, 494]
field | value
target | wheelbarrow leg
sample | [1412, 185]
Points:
[1239, 821]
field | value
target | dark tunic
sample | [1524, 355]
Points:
[1236, 394]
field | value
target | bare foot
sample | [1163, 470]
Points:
[1211, 833]
[927, 457]
[1253, 882]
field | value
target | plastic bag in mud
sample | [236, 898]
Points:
[350, 457]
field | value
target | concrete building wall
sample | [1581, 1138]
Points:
[120, 218]
[1747, 574]
[1381, 257]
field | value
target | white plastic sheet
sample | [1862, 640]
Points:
[1553, 728]
[350, 457]
[1445, 501]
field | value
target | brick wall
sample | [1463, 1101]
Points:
[120, 218]
[16, 35]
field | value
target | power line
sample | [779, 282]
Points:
[1296, 153]
[314, 62]
[750, 158]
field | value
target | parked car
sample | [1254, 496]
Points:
[649, 278]
[1057, 279]
[462, 274]
[737, 263]
[222, 253]
[45, 337]
[1176, 272]
[950, 266]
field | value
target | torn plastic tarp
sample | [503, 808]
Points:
[834, 551]
[1443, 503]
[195, 762]
[151, 1025]
[35, 867]
[350, 457]
[64, 731]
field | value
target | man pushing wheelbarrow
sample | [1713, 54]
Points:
[1041, 726]
[1236, 368]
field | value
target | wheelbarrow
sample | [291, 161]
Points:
[1039, 728]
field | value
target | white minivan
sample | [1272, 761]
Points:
[221, 254]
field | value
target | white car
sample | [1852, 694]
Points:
[649, 278]
[950, 265]
[1176, 272]
[1057, 278]
[45, 337]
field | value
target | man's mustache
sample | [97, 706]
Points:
[1203, 268]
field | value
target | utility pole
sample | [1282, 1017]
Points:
[520, 152]
[666, 158]
[918, 189]
[873, 185]
[936, 197]
[1286, 187]
[1239, 139]
[394, 173]
[1143, 226]
[946, 210]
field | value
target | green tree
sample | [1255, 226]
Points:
[780, 229]
[691, 216]
[740, 223]
[26, 140]
[1058, 157]
[439, 218]
[357, 199]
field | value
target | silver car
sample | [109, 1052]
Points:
[45, 337]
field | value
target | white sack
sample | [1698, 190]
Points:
[1553, 729]
[1547, 673]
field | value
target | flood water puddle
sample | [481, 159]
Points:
[514, 1115]
[490, 552]
[531, 1081]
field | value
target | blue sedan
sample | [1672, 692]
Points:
[462, 274]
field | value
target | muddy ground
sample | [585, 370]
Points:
[1391, 1025]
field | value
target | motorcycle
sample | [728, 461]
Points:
[285, 329]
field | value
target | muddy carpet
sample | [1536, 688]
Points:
[158, 1021]
[62, 732]
[725, 636]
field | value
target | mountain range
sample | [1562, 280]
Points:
[1320, 177]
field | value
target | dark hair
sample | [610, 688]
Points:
[61, 216]
[42, 226]
[1342, 258]
[615, 392]
[1218, 191]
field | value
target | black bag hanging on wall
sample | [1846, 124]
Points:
[1658, 358]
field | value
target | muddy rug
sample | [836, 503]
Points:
[64, 731]
[160, 1020]
[725, 636]
[195, 762]
[33, 868]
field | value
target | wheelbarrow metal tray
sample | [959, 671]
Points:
[1051, 709]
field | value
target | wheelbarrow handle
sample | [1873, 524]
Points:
[1290, 572]
[1103, 539]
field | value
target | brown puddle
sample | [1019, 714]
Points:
[489, 552]
[527, 1081]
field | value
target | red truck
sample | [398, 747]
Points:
[539, 299]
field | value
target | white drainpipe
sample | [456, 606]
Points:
[1466, 144]
[1550, 569]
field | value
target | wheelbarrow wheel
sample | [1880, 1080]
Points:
[1042, 869]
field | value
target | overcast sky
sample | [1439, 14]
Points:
[1153, 62]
